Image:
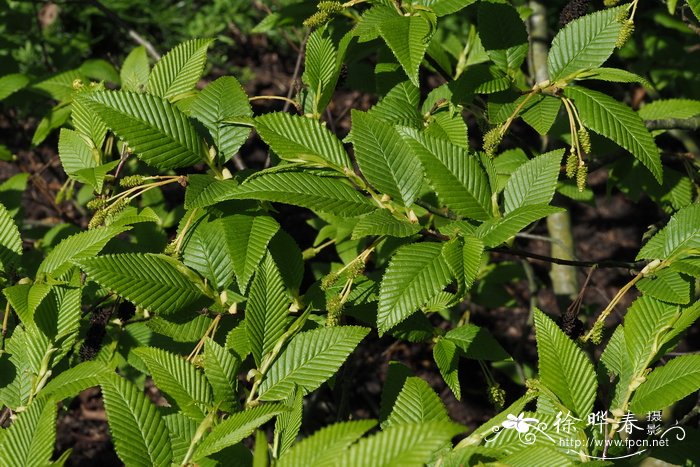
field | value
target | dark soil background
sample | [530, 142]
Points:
[612, 229]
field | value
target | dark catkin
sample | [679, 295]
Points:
[95, 333]
[126, 311]
[573, 10]
[343, 75]
[100, 317]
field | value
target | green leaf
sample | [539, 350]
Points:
[667, 384]
[182, 430]
[382, 222]
[537, 455]
[205, 190]
[446, 7]
[384, 158]
[502, 34]
[670, 108]
[646, 321]
[476, 343]
[55, 118]
[157, 132]
[10, 240]
[533, 182]
[207, 253]
[323, 447]
[179, 70]
[247, 238]
[179, 379]
[416, 273]
[75, 152]
[614, 75]
[416, 403]
[267, 309]
[90, 126]
[610, 118]
[83, 245]
[155, 282]
[497, 231]
[75, 380]
[135, 70]
[667, 285]
[288, 424]
[586, 42]
[138, 431]
[30, 439]
[456, 176]
[186, 328]
[408, 38]
[564, 368]
[300, 139]
[681, 234]
[399, 106]
[224, 98]
[95, 176]
[310, 359]
[236, 428]
[447, 359]
[405, 445]
[542, 114]
[319, 64]
[472, 252]
[323, 194]
[10, 84]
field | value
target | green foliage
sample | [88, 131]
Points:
[191, 279]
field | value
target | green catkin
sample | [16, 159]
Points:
[331, 8]
[571, 164]
[317, 19]
[581, 175]
[609, 3]
[118, 206]
[492, 139]
[97, 218]
[584, 140]
[335, 309]
[131, 181]
[497, 397]
[171, 249]
[96, 204]
[625, 33]
[329, 280]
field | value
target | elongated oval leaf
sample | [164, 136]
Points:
[416, 273]
[180, 69]
[247, 238]
[206, 252]
[416, 403]
[610, 118]
[564, 368]
[533, 182]
[496, 231]
[667, 384]
[301, 139]
[682, 233]
[135, 70]
[323, 194]
[155, 282]
[159, 133]
[139, 433]
[382, 222]
[456, 176]
[408, 38]
[384, 158]
[586, 42]
[30, 439]
[10, 241]
[310, 359]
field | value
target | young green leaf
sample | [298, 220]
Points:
[608, 117]
[159, 133]
[384, 158]
[267, 309]
[382, 222]
[614, 75]
[75, 152]
[10, 241]
[542, 114]
[135, 70]
[322, 447]
[472, 252]
[207, 253]
[403, 444]
[416, 403]
[667, 384]
[408, 38]
[179, 379]
[75, 380]
[205, 190]
[179, 70]
[681, 234]
[310, 359]
[446, 358]
[456, 176]
[667, 285]
[533, 182]
[288, 424]
[564, 368]
[10, 84]
[670, 108]
[476, 343]
[247, 238]
[320, 64]
[30, 439]
[236, 428]
[496, 231]
[323, 194]
[301, 139]
[222, 99]
[502, 34]
[584, 43]
[416, 273]
[140, 435]
[399, 106]
[155, 282]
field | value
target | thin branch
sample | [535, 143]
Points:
[605, 263]
[692, 124]
[437, 211]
